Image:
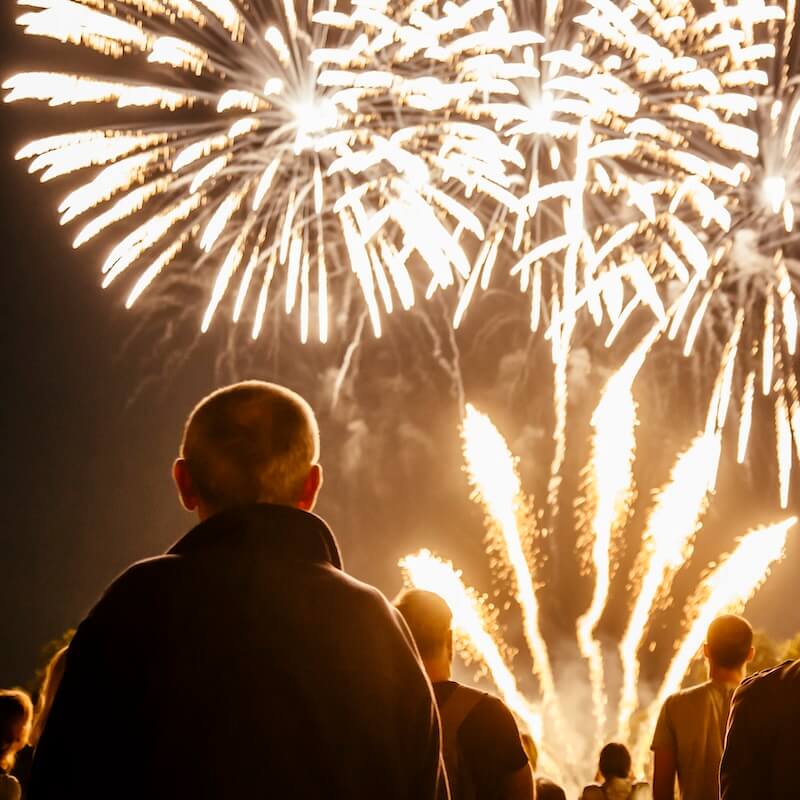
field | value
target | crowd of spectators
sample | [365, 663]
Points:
[246, 663]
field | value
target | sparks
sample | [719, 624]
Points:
[493, 475]
[667, 545]
[261, 148]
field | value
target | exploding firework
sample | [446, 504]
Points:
[241, 158]
[673, 524]
[510, 87]
[741, 300]
[576, 135]
[400, 73]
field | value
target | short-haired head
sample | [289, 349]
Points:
[251, 442]
[429, 619]
[16, 715]
[547, 790]
[615, 761]
[729, 642]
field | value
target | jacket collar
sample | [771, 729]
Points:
[278, 532]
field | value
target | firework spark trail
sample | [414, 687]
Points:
[493, 475]
[668, 544]
[783, 428]
[562, 334]
[727, 588]
[611, 484]
[426, 571]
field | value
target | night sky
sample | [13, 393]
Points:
[94, 403]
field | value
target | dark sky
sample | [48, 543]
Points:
[92, 415]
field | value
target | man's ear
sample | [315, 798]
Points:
[751, 655]
[705, 649]
[183, 482]
[311, 487]
[450, 647]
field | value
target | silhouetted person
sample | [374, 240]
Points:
[244, 663]
[614, 777]
[689, 736]
[16, 715]
[483, 754]
[761, 748]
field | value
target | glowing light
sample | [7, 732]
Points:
[611, 487]
[784, 432]
[775, 193]
[667, 544]
[492, 473]
[258, 155]
[746, 416]
[749, 283]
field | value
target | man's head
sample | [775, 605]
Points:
[547, 790]
[430, 621]
[615, 761]
[252, 442]
[729, 642]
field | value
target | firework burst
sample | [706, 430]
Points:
[638, 79]
[238, 159]
[743, 303]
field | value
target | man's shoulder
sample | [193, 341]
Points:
[143, 578]
[768, 679]
[486, 710]
[352, 591]
[690, 695]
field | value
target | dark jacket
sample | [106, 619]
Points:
[242, 664]
[760, 759]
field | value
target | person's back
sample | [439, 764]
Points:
[483, 752]
[689, 735]
[242, 664]
[760, 758]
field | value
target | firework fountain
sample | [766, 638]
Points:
[674, 522]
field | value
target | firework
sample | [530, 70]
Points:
[673, 523]
[493, 475]
[610, 482]
[240, 158]
[726, 588]
[748, 287]
[641, 80]
[668, 544]
[399, 75]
